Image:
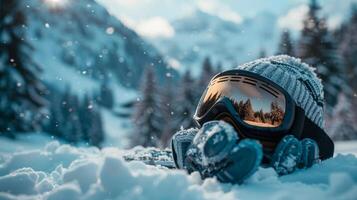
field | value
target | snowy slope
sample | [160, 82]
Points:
[200, 34]
[65, 172]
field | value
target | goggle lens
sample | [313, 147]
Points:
[256, 102]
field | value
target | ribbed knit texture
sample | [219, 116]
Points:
[297, 78]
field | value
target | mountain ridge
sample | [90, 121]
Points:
[201, 34]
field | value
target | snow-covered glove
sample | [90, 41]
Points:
[180, 143]
[292, 153]
[216, 152]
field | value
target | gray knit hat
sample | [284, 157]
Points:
[297, 78]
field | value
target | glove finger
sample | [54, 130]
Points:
[243, 161]
[310, 153]
[286, 156]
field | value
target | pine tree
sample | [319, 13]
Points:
[147, 119]
[57, 121]
[219, 68]
[169, 112]
[21, 90]
[348, 49]
[97, 134]
[261, 116]
[206, 74]
[94, 134]
[317, 48]
[247, 110]
[106, 97]
[342, 123]
[286, 45]
[85, 115]
[187, 101]
[71, 129]
[276, 114]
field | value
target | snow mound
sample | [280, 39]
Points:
[65, 172]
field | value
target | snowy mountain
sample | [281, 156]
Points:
[79, 45]
[201, 34]
[80, 40]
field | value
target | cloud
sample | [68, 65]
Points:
[174, 63]
[152, 27]
[334, 22]
[127, 21]
[218, 9]
[155, 27]
[294, 18]
[127, 3]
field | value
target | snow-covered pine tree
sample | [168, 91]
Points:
[286, 44]
[318, 48]
[147, 120]
[21, 90]
[187, 101]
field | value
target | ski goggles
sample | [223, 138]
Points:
[257, 108]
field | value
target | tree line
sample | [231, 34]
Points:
[27, 104]
[246, 112]
[162, 110]
[77, 119]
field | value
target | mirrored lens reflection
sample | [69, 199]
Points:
[256, 104]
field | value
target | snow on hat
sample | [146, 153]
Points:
[297, 78]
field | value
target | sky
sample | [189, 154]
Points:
[151, 18]
[171, 9]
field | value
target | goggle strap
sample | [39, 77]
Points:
[298, 125]
[324, 142]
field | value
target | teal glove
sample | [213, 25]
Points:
[291, 154]
[216, 152]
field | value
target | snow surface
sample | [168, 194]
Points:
[65, 172]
